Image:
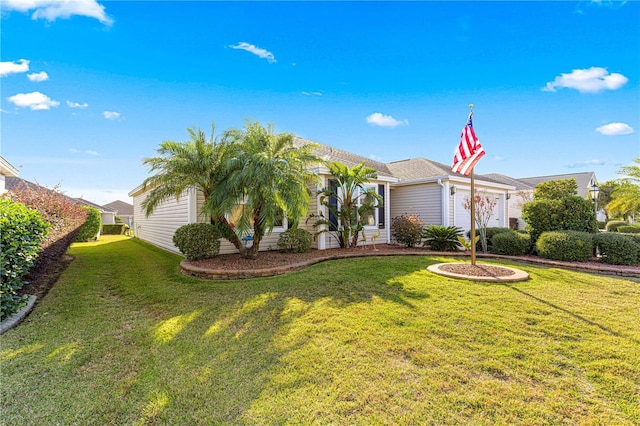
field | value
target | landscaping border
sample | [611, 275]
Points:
[221, 274]
[16, 317]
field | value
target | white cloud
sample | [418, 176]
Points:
[262, 53]
[581, 164]
[73, 150]
[614, 129]
[38, 76]
[311, 93]
[375, 157]
[7, 68]
[382, 120]
[111, 115]
[591, 80]
[34, 100]
[91, 152]
[54, 9]
[77, 105]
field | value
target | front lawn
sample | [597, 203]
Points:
[124, 338]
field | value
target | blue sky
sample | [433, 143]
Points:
[89, 88]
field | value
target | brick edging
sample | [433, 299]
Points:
[221, 274]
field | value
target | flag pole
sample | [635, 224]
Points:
[473, 210]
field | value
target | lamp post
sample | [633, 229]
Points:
[594, 191]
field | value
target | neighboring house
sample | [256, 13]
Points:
[437, 195]
[107, 215]
[6, 170]
[525, 187]
[123, 210]
[159, 227]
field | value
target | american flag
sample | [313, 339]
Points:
[469, 151]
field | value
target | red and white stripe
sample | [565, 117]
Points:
[469, 151]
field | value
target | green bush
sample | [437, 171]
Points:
[566, 214]
[617, 249]
[613, 225]
[511, 243]
[407, 229]
[602, 224]
[115, 229]
[570, 246]
[197, 240]
[90, 229]
[490, 233]
[442, 238]
[630, 229]
[23, 230]
[295, 240]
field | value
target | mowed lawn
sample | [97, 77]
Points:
[123, 338]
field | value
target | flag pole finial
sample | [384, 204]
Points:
[471, 107]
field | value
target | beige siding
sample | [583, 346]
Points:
[159, 227]
[421, 199]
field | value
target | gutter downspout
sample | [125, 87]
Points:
[444, 199]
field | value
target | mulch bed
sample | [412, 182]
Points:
[477, 270]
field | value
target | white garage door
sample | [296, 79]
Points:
[461, 217]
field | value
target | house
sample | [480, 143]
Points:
[159, 227]
[123, 210]
[107, 215]
[414, 186]
[6, 170]
[525, 187]
[437, 195]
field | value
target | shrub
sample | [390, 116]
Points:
[90, 229]
[407, 229]
[613, 225]
[566, 214]
[23, 230]
[602, 224]
[115, 229]
[442, 238]
[570, 246]
[197, 240]
[618, 249]
[629, 229]
[511, 243]
[295, 240]
[490, 233]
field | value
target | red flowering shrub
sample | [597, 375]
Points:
[407, 229]
[61, 212]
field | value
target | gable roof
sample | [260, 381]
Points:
[102, 209]
[584, 180]
[422, 168]
[330, 153]
[508, 180]
[14, 183]
[120, 207]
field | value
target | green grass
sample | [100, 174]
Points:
[124, 338]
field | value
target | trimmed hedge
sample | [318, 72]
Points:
[570, 246]
[570, 213]
[617, 249]
[90, 229]
[630, 229]
[295, 240]
[613, 225]
[197, 240]
[115, 229]
[511, 243]
[23, 230]
[407, 229]
[490, 232]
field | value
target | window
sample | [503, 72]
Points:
[333, 201]
[381, 218]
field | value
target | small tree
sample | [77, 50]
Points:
[556, 189]
[484, 207]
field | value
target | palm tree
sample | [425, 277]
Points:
[268, 177]
[179, 166]
[625, 200]
[349, 201]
